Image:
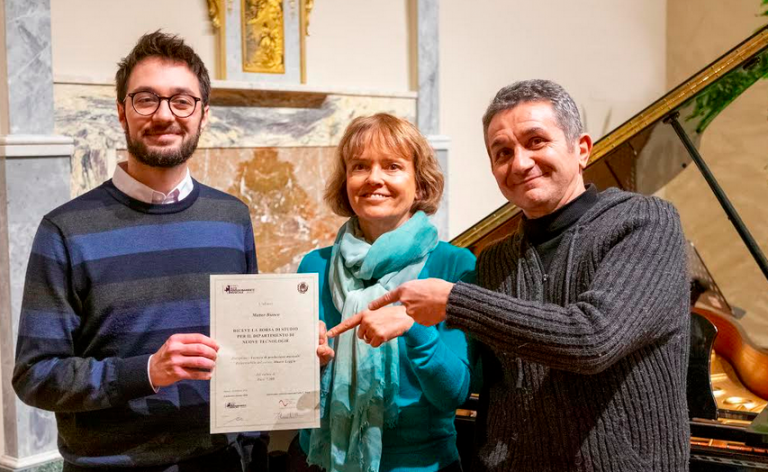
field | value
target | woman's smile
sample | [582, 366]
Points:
[381, 187]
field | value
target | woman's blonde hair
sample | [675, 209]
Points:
[389, 134]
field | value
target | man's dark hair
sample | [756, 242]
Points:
[537, 90]
[164, 46]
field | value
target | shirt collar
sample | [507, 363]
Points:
[138, 191]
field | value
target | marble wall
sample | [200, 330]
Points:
[28, 41]
[275, 158]
[5, 286]
[283, 187]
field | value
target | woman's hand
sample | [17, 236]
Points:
[324, 351]
[376, 326]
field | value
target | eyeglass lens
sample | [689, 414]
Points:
[146, 103]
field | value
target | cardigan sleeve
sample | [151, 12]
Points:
[442, 357]
[638, 295]
[48, 373]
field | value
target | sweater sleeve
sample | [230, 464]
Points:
[252, 264]
[638, 295]
[441, 357]
[48, 373]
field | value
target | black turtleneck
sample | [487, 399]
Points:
[546, 232]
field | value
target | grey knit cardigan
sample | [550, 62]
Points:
[584, 368]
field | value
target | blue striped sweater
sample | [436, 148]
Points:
[109, 280]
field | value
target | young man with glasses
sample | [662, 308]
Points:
[114, 327]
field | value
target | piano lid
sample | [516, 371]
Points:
[628, 157]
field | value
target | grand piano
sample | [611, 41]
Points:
[728, 372]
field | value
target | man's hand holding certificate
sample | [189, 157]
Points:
[267, 369]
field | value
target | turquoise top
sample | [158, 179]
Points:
[434, 372]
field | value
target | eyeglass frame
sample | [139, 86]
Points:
[160, 102]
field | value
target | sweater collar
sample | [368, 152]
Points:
[550, 226]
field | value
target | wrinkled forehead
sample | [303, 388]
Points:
[523, 116]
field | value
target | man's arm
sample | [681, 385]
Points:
[638, 295]
[251, 261]
[48, 373]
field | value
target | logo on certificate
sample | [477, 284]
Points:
[302, 287]
[234, 289]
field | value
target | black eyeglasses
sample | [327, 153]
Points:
[146, 103]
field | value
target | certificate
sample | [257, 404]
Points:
[267, 374]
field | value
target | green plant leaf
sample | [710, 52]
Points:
[716, 98]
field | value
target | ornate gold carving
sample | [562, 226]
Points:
[308, 6]
[305, 8]
[214, 12]
[263, 36]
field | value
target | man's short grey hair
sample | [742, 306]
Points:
[537, 90]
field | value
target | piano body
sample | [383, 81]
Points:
[728, 373]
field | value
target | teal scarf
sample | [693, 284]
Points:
[358, 387]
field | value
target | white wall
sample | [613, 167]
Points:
[609, 54]
[359, 44]
[90, 36]
[356, 44]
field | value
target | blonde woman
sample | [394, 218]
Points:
[391, 386]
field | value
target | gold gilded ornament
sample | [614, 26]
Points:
[214, 13]
[263, 36]
[308, 6]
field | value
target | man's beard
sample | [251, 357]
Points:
[169, 157]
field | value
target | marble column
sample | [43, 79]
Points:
[428, 104]
[428, 37]
[441, 145]
[28, 65]
[34, 179]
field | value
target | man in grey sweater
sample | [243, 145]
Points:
[582, 315]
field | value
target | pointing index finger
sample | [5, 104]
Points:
[345, 325]
[388, 298]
